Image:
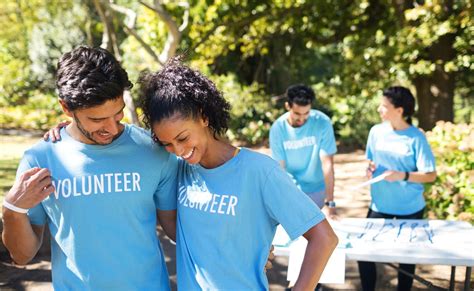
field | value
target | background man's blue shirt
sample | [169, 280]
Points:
[300, 148]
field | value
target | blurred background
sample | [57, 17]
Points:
[347, 50]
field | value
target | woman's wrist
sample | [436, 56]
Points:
[407, 176]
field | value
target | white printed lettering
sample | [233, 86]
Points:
[136, 182]
[118, 182]
[87, 185]
[126, 182]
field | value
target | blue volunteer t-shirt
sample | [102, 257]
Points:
[400, 150]
[102, 216]
[227, 217]
[300, 148]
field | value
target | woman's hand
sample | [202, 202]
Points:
[370, 169]
[271, 257]
[53, 133]
[393, 176]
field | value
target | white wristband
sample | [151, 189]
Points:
[13, 207]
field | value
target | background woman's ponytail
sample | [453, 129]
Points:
[401, 97]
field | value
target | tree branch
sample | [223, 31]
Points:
[129, 28]
[174, 32]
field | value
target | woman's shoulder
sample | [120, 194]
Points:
[257, 160]
[416, 131]
[379, 127]
[417, 134]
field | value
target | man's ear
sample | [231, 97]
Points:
[65, 108]
[287, 106]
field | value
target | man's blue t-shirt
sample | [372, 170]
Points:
[227, 217]
[300, 148]
[399, 150]
[102, 216]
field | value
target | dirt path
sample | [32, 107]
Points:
[349, 171]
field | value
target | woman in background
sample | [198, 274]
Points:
[399, 151]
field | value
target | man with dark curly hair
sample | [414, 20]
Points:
[303, 141]
[98, 190]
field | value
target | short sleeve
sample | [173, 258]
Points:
[289, 206]
[425, 160]
[37, 214]
[328, 140]
[276, 144]
[166, 194]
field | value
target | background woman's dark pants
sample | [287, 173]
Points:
[367, 271]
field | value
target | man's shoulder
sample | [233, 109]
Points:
[138, 132]
[40, 147]
[280, 121]
[319, 115]
[141, 137]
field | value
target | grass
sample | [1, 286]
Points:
[11, 151]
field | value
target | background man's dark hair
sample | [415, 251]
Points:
[300, 94]
[401, 97]
[88, 77]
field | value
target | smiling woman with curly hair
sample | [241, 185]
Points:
[230, 200]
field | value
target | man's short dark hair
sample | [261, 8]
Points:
[88, 77]
[300, 94]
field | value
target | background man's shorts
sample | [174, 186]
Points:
[318, 198]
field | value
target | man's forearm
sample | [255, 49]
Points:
[329, 181]
[20, 238]
[328, 172]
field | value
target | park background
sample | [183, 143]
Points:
[348, 51]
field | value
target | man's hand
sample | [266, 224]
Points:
[53, 133]
[270, 258]
[32, 187]
[330, 213]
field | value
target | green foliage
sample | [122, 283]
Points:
[7, 174]
[11, 150]
[252, 112]
[32, 38]
[57, 31]
[41, 112]
[347, 50]
[451, 195]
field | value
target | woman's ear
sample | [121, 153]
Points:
[400, 110]
[205, 120]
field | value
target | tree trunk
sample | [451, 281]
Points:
[132, 112]
[435, 92]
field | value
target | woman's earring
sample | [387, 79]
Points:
[155, 139]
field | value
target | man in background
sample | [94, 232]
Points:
[303, 142]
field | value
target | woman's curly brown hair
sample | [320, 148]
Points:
[178, 89]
